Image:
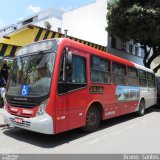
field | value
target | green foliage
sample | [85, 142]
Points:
[9, 64]
[138, 20]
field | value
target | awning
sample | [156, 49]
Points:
[8, 50]
[29, 34]
[47, 34]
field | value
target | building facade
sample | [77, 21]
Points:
[51, 18]
[127, 50]
[87, 22]
[7, 29]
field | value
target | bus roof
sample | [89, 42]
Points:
[107, 55]
[97, 52]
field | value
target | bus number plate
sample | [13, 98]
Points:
[18, 120]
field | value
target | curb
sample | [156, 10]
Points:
[1, 119]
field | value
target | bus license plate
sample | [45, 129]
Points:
[18, 120]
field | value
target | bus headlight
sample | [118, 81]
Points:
[42, 108]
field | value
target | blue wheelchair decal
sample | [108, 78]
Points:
[24, 90]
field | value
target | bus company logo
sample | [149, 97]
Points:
[27, 111]
[110, 113]
[21, 99]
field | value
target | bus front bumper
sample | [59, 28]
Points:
[42, 124]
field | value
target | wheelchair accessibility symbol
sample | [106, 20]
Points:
[24, 90]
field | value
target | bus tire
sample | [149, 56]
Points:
[141, 110]
[92, 119]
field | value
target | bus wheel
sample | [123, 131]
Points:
[141, 108]
[92, 119]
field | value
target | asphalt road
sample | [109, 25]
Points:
[125, 134]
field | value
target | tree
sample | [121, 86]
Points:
[138, 20]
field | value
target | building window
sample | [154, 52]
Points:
[27, 21]
[136, 50]
[142, 52]
[123, 46]
[30, 20]
[131, 48]
[113, 42]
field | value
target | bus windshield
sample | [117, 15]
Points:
[31, 73]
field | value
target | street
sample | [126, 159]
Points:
[125, 134]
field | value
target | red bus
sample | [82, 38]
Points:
[57, 85]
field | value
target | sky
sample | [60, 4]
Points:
[13, 10]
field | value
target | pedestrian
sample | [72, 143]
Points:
[2, 81]
[2, 90]
[4, 71]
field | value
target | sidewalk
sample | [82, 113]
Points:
[1, 117]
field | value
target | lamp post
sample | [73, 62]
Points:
[65, 33]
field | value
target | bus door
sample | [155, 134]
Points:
[72, 92]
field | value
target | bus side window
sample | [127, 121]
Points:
[119, 73]
[132, 76]
[76, 72]
[151, 80]
[75, 75]
[142, 78]
[100, 70]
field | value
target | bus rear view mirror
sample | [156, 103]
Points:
[69, 58]
[67, 61]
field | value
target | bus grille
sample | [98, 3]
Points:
[24, 123]
[20, 103]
